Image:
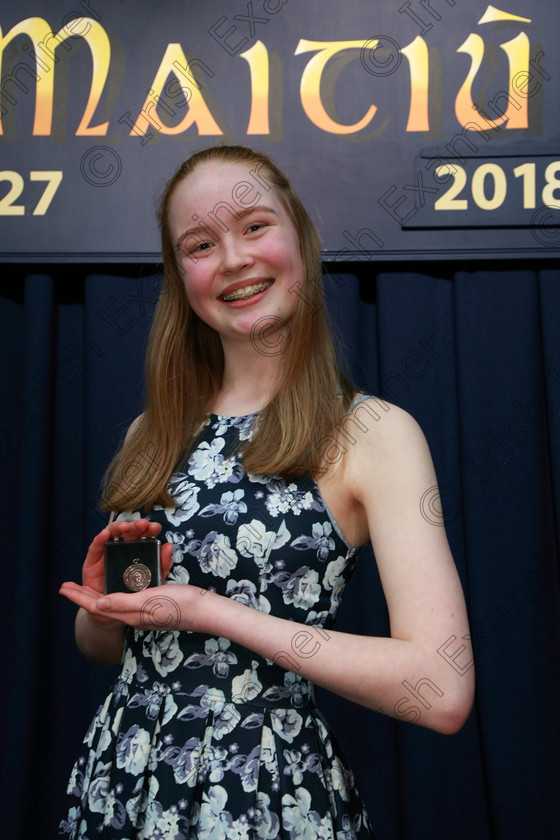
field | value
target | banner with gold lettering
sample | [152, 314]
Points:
[412, 129]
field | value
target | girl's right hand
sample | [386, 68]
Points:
[93, 578]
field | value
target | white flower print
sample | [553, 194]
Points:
[178, 574]
[342, 779]
[239, 829]
[297, 688]
[265, 821]
[207, 464]
[244, 425]
[129, 666]
[162, 647]
[286, 723]
[164, 825]
[230, 506]
[137, 803]
[215, 821]
[69, 826]
[253, 540]
[268, 751]
[294, 766]
[247, 428]
[247, 767]
[350, 827]
[98, 787]
[184, 761]
[284, 498]
[214, 554]
[105, 738]
[246, 686]
[334, 579]
[153, 698]
[318, 618]
[245, 592]
[133, 749]
[218, 763]
[325, 831]
[76, 780]
[279, 501]
[114, 812]
[216, 654]
[177, 540]
[301, 589]
[321, 540]
[259, 479]
[185, 495]
[300, 820]
[128, 516]
[333, 572]
[226, 721]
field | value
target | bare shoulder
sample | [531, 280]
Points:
[383, 426]
[388, 446]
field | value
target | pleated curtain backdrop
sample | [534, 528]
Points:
[474, 356]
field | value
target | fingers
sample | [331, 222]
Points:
[96, 603]
[83, 596]
[166, 559]
[126, 530]
[134, 530]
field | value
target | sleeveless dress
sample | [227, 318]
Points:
[200, 738]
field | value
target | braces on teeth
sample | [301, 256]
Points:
[247, 292]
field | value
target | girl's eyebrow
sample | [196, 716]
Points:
[241, 214]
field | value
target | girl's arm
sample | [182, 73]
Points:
[424, 672]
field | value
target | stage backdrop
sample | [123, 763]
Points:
[410, 127]
[475, 357]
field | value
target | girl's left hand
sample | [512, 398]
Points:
[171, 606]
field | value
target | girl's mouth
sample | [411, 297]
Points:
[247, 291]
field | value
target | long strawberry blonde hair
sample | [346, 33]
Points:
[184, 368]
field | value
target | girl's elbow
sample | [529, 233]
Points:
[456, 713]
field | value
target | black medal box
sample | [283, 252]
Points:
[132, 565]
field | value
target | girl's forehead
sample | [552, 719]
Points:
[221, 174]
[240, 185]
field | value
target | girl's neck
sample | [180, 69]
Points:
[249, 382]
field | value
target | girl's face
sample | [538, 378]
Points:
[238, 249]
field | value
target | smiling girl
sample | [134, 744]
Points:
[211, 730]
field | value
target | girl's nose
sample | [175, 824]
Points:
[235, 253]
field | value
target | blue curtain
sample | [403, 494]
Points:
[474, 355]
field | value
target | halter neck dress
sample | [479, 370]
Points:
[200, 738]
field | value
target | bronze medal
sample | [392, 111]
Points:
[137, 576]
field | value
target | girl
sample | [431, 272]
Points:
[267, 473]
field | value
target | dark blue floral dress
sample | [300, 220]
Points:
[201, 739]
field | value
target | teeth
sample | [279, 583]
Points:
[248, 291]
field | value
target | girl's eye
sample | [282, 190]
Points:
[200, 246]
[255, 226]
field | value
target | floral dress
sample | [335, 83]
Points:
[200, 738]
